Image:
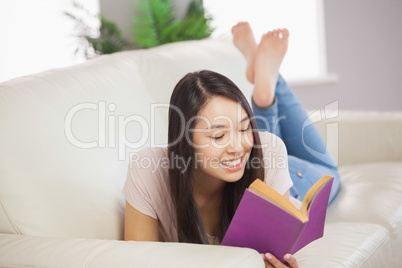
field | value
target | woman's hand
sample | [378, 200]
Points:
[271, 261]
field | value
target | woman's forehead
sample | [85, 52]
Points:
[221, 111]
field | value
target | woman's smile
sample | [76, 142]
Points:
[234, 165]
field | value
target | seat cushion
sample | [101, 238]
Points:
[49, 252]
[348, 245]
[371, 193]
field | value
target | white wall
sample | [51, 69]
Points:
[364, 48]
[36, 36]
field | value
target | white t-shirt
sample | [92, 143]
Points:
[147, 188]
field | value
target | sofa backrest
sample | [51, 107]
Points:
[66, 135]
[164, 67]
[62, 165]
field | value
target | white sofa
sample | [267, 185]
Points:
[67, 134]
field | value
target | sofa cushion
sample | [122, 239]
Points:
[162, 67]
[50, 184]
[356, 137]
[50, 252]
[348, 245]
[371, 193]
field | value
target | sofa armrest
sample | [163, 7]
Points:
[362, 136]
[31, 251]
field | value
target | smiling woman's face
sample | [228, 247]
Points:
[222, 140]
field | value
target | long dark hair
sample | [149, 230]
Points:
[189, 96]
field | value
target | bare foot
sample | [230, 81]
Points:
[243, 39]
[269, 56]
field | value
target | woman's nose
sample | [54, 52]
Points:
[235, 144]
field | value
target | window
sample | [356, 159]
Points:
[37, 36]
[306, 56]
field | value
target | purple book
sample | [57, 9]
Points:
[265, 227]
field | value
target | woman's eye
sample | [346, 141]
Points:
[246, 129]
[217, 138]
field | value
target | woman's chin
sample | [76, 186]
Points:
[233, 176]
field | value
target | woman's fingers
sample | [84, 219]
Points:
[290, 260]
[272, 261]
[267, 264]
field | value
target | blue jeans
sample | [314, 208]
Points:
[287, 118]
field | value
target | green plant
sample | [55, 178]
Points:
[93, 41]
[156, 23]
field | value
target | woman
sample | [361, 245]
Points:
[192, 189]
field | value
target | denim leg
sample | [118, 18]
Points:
[304, 174]
[267, 118]
[298, 132]
[288, 119]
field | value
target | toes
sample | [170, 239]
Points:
[273, 33]
[281, 33]
[277, 33]
[266, 35]
[285, 33]
[239, 26]
[235, 28]
[269, 34]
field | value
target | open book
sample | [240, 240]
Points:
[268, 222]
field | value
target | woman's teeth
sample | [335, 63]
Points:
[232, 163]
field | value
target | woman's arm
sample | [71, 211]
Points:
[138, 226]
